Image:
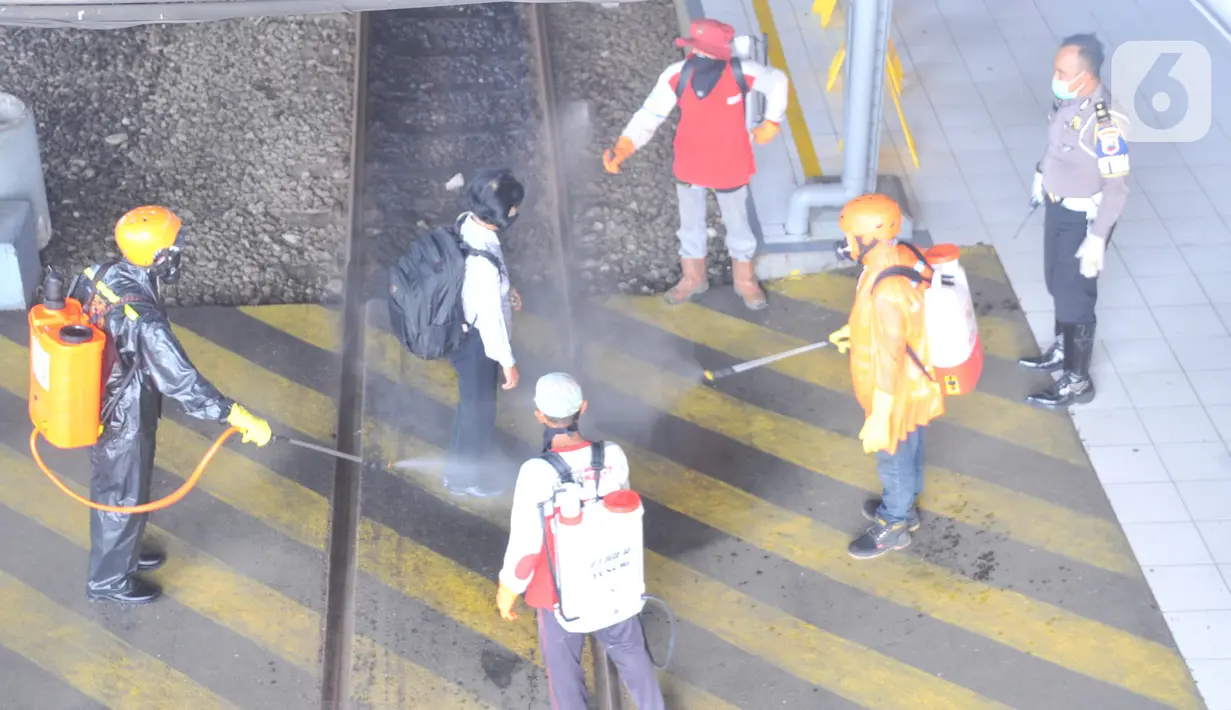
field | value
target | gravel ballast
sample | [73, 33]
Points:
[242, 127]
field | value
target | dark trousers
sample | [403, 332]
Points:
[902, 477]
[625, 646]
[122, 469]
[475, 420]
[1073, 295]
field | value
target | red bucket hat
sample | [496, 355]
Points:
[710, 37]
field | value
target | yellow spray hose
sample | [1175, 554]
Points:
[144, 507]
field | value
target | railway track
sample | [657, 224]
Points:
[439, 91]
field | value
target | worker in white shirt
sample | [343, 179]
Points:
[591, 472]
[488, 300]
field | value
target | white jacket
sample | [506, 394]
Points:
[485, 293]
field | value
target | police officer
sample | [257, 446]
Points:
[144, 360]
[1082, 182]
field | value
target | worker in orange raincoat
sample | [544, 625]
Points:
[890, 370]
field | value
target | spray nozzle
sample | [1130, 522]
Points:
[53, 290]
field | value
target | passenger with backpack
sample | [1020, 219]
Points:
[892, 369]
[450, 296]
[713, 150]
[576, 551]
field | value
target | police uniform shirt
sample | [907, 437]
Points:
[1087, 157]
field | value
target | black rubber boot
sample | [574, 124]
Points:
[150, 560]
[139, 591]
[1051, 359]
[1075, 385]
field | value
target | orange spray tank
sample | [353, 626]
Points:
[66, 363]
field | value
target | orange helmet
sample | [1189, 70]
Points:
[145, 233]
[868, 219]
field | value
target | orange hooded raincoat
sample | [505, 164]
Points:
[883, 324]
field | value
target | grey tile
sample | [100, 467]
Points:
[982, 163]
[1206, 460]
[1144, 262]
[1140, 233]
[1138, 208]
[1197, 354]
[947, 190]
[1005, 209]
[1115, 293]
[1159, 389]
[1182, 205]
[1141, 355]
[1146, 503]
[1214, 150]
[975, 138]
[1166, 180]
[1198, 231]
[1212, 386]
[1171, 290]
[1200, 321]
[1214, 178]
[1206, 500]
[1151, 155]
[958, 117]
[1217, 287]
[1126, 324]
[1208, 259]
[1179, 425]
[952, 213]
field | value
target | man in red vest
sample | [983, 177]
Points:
[712, 149]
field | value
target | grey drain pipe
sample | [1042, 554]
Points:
[867, 47]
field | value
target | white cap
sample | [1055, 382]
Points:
[557, 395]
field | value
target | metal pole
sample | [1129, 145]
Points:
[606, 679]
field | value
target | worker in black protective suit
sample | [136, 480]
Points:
[143, 361]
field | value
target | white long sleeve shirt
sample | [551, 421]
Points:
[485, 293]
[536, 482]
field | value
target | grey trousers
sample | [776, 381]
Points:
[625, 644]
[741, 242]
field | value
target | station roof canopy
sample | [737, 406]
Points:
[115, 14]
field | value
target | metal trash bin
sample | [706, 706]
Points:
[21, 167]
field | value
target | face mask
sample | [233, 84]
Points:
[1062, 89]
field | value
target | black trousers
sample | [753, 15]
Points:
[1074, 295]
[475, 420]
[121, 471]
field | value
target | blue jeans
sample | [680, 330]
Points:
[902, 476]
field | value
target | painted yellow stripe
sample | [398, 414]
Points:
[968, 499]
[794, 111]
[90, 658]
[1002, 338]
[1046, 432]
[302, 514]
[1004, 616]
[841, 666]
[246, 607]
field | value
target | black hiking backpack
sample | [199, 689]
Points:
[425, 292]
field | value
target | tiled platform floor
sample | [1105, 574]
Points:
[976, 95]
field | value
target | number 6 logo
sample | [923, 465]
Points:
[1165, 89]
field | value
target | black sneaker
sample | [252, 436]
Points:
[879, 538]
[871, 506]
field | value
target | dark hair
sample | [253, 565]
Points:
[493, 195]
[1089, 50]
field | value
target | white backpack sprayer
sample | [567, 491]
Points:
[595, 551]
[949, 314]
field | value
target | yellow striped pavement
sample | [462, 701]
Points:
[1078, 660]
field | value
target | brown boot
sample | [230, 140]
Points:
[693, 283]
[746, 285]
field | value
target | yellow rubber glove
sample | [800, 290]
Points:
[254, 429]
[505, 599]
[841, 338]
[765, 132]
[875, 431]
[612, 158]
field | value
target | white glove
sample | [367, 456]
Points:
[1091, 254]
[1036, 190]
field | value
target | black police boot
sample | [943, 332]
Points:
[1075, 385]
[871, 506]
[150, 560]
[1052, 358]
[879, 538]
[139, 591]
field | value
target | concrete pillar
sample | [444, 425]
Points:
[21, 167]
